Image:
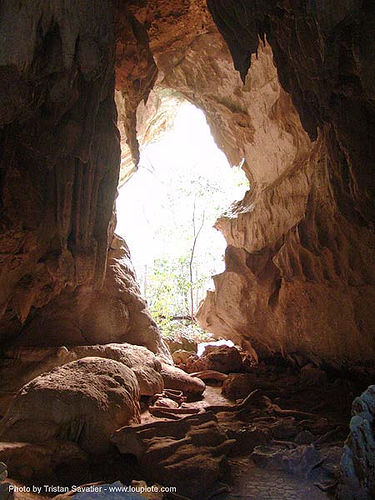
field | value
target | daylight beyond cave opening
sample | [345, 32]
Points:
[166, 212]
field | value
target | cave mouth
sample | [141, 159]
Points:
[182, 185]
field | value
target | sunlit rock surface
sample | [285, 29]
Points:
[299, 264]
[64, 278]
[300, 261]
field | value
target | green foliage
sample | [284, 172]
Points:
[168, 287]
[183, 329]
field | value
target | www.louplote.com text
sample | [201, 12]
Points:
[108, 488]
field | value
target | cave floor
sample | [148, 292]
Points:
[319, 407]
[326, 397]
[254, 483]
[248, 481]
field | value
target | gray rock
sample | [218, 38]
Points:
[358, 459]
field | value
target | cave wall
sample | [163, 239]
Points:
[65, 278]
[308, 288]
[60, 150]
[300, 258]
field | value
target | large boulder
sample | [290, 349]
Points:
[358, 459]
[221, 358]
[25, 363]
[83, 401]
[145, 365]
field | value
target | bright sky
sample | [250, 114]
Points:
[188, 150]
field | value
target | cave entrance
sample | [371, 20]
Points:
[182, 185]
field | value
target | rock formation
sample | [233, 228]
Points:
[60, 152]
[299, 266]
[300, 245]
[21, 365]
[83, 401]
[358, 462]
[175, 452]
[301, 231]
[114, 313]
[298, 115]
[64, 278]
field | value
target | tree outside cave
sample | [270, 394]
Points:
[183, 184]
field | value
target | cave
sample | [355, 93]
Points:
[182, 184]
[93, 402]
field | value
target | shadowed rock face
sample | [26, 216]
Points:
[357, 463]
[59, 151]
[300, 259]
[64, 278]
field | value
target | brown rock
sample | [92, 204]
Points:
[177, 379]
[25, 363]
[239, 385]
[221, 358]
[181, 343]
[189, 453]
[299, 261]
[247, 438]
[115, 313]
[181, 357]
[145, 365]
[51, 462]
[166, 403]
[82, 401]
[56, 223]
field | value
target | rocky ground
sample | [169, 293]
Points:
[269, 430]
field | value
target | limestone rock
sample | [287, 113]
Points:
[175, 378]
[57, 223]
[181, 343]
[145, 365]
[358, 459]
[58, 124]
[222, 358]
[82, 401]
[163, 402]
[181, 357]
[189, 453]
[299, 261]
[115, 313]
[25, 363]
